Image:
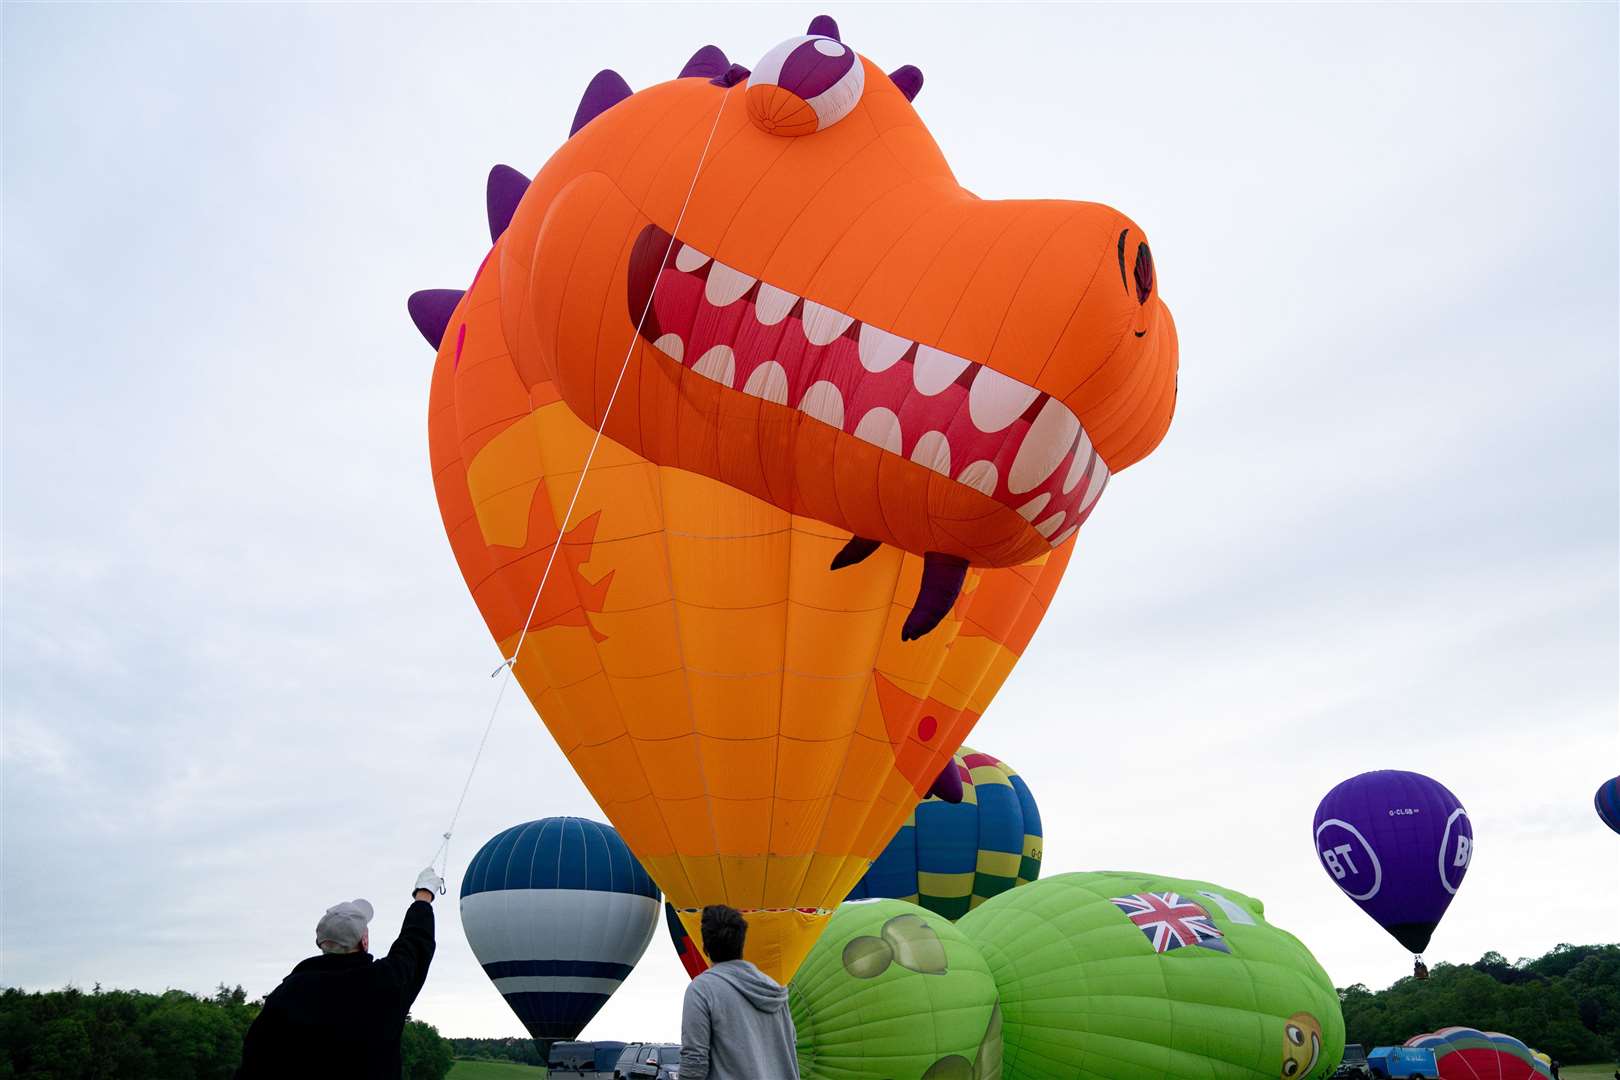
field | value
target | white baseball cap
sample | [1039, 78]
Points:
[344, 924]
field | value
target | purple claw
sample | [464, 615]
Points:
[501, 197]
[607, 88]
[858, 548]
[942, 579]
[707, 63]
[948, 784]
[908, 80]
[825, 26]
[733, 75]
[431, 309]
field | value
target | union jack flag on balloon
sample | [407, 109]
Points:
[1168, 920]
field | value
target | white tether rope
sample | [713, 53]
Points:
[562, 530]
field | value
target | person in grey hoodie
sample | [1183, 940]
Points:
[735, 1023]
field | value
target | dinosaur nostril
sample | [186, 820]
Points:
[1143, 273]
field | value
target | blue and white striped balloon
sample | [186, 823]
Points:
[557, 911]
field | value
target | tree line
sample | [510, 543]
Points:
[522, 1051]
[1566, 1003]
[72, 1034]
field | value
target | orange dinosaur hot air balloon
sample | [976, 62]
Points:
[853, 416]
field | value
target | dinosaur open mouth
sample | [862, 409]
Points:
[1012, 442]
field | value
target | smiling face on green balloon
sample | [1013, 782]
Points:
[1302, 1045]
[894, 992]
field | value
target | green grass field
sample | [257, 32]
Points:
[1586, 1072]
[494, 1070]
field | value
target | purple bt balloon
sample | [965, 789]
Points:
[1607, 801]
[1398, 844]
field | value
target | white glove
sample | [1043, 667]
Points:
[428, 879]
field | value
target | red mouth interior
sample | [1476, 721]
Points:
[1012, 442]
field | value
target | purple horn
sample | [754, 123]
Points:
[431, 309]
[706, 63]
[825, 26]
[947, 785]
[908, 80]
[501, 197]
[733, 75]
[607, 88]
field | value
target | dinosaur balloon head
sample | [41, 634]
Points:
[772, 278]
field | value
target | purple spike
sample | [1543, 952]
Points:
[733, 75]
[825, 26]
[908, 80]
[858, 548]
[941, 584]
[706, 63]
[431, 310]
[501, 197]
[607, 88]
[948, 784]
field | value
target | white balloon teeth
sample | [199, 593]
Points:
[1001, 437]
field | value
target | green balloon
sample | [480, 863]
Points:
[894, 992]
[1117, 976]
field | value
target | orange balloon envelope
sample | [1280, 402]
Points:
[853, 416]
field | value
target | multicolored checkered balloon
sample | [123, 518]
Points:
[950, 858]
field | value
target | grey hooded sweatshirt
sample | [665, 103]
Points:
[735, 1025]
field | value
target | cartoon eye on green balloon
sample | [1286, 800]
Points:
[867, 957]
[916, 946]
[907, 940]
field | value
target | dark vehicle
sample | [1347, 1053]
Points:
[1353, 1066]
[584, 1060]
[649, 1061]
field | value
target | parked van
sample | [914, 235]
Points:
[1403, 1062]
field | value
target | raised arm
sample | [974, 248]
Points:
[411, 953]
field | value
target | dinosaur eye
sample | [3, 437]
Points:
[804, 85]
[1290, 1068]
[1295, 1035]
[1142, 271]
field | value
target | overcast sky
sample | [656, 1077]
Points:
[242, 676]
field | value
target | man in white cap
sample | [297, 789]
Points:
[342, 1013]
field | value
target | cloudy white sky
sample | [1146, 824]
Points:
[242, 677]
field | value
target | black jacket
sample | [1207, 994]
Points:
[342, 1015]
